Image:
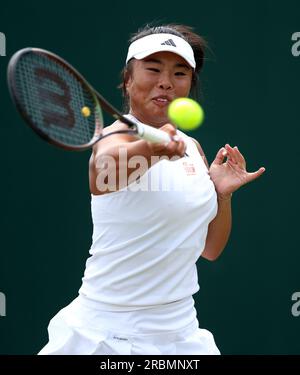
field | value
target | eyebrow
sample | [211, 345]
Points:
[157, 61]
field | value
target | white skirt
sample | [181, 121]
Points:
[81, 329]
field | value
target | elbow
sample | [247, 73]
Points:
[211, 258]
[212, 254]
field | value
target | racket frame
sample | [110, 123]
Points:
[99, 101]
[135, 128]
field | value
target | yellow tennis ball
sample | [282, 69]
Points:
[186, 113]
[86, 112]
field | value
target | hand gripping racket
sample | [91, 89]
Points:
[60, 105]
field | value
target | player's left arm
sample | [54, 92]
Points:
[227, 176]
[220, 227]
[218, 230]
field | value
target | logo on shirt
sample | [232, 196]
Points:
[189, 168]
[120, 338]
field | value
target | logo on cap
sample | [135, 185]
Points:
[169, 42]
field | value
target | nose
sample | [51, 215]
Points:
[165, 82]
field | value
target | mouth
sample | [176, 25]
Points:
[162, 100]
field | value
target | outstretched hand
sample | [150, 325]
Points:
[230, 175]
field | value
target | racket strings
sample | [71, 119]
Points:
[53, 98]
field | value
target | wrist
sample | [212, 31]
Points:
[224, 197]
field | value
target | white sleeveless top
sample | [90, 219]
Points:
[148, 236]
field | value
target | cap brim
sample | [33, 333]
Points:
[142, 55]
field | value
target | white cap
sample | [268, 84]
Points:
[153, 43]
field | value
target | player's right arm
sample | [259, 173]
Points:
[111, 157]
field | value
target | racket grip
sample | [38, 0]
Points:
[151, 134]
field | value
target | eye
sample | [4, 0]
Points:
[180, 74]
[153, 70]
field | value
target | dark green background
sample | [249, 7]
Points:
[251, 99]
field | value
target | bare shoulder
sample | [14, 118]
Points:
[200, 151]
[117, 125]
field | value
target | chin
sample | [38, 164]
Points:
[160, 122]
[159, 119]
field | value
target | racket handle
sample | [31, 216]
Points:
[151, 134]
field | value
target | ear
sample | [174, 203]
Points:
[127, 80]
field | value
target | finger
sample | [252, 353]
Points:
[170, 129]
[161, 148]
[239, 157]
[253, 175]
[232, 163]
[180, 146]
[220, 156]
[230, 153]
[171, 148]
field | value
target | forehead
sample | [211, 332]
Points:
[165, 58]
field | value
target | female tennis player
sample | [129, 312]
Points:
[163, 208]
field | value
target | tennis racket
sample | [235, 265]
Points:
[60, 105]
